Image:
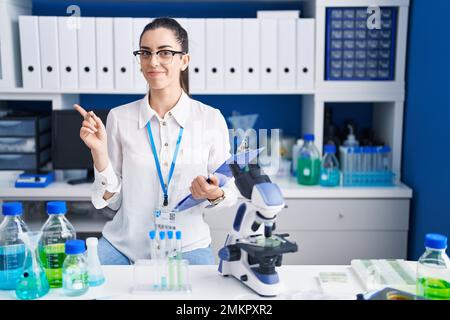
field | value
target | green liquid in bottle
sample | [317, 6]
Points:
[308, 171]
[52, 258]
[432, 288]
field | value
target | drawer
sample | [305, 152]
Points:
[24, 161]
[20, 145]
[330, 214]
[25, 127]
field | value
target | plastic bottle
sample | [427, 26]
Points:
[433, 269]
[75, 276]
[329, 170]
[95, 271]
[308, 162]
[295, 153]
[55, 232]
[351, 139]
[12, 248]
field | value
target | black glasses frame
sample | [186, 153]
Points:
[138, 52]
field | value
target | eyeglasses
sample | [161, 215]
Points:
[163, 56]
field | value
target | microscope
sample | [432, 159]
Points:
[252, 252]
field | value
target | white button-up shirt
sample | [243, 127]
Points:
[132, 175]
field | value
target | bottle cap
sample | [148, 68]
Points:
[92, 241]
[308, 137]
[170, 234]
[330, 148]
[12, 209]
[56, 207]
[152, 234]
[162, 235]
[75, 247]
[178, 235]
[435, 241]
[357, 150]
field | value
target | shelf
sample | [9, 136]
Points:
[289, 187]
[142, 92]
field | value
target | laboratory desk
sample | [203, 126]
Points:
[299, 282]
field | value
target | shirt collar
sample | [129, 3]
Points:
[180, 111]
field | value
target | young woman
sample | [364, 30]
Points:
[155, 151]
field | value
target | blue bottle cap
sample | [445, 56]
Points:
[12, 209]
[56, 207]
[330, 148]
[170, 234]
[75, 246]
[386, 149]
[435, 241]
[152, 234]
[357, 150]
[365, 149]
[178, 235]
[162, 235]
[308, 137]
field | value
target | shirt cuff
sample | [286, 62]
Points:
[107, 180]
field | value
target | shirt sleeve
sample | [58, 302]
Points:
[110, 179]
[219, 153]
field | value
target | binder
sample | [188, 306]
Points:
[251, 53]
[87, 65]
[197, 40]
[268, 49]
[29, 52]
[139, 82]
[104, 53]
[233, 53]
[48, 44]
[305, 54]
[123, 53]
[287, 32]
[68, 52]
[214, 54]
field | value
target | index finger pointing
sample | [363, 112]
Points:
[80, 110]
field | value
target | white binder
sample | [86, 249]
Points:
[287, 31]
[48, 44]
[105, 53]
[268, 49]
[123, 53]
[251, 53]
[305, 54]
[214, 54]
[233, 53]
[68, 54]
[197, 66]
[139, 24]
[87, 65]
[29, 52]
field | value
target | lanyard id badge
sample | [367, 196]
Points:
[165, 219]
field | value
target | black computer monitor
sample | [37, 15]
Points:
[68, 150]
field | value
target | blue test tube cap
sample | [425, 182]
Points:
[357, 150]
[12, 209]
[162, 235]
[178, 235]
[152, 234]
[170, 234]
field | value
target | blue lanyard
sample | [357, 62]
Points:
[164, 187]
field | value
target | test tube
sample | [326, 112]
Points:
[350, 159]
[162, 258]
[356, 166]
[170, 255]
[154, 261]
[170, 245]
[179, 259]
[152, 235]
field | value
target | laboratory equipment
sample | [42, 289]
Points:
[251, 252]
[388, 294]
[354, 52]
[433, 269]
[55, 232]
[351, 139]
[329, 169]
[295, 153]
[38, 180]
[308, 162]
[242, 126]
[12, 248]
[33, 282]
[95, 271]
[75, 275]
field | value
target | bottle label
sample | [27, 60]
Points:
[306, 172]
